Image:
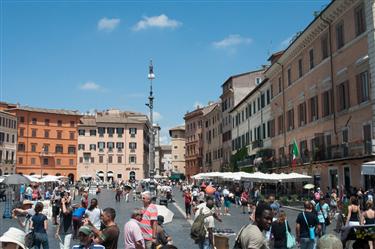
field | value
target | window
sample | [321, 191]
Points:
[101, 146]
[313, 108]
[92, 146]
[33, 121]
[280, 123]
[92, 132]
[45, 161]
[302, 114]
[71, 162]
[72, 123]
[92, 160]
[258, 80]
[22, 119]
[132, 146]
[81, 147]
[119, 159]
[22, 132]
[110, 146]
[33, 147]
[71, 135]
[59, 148]
[33, 161]
[45, 148]
[80, 159]
[362, 87]
[119, 132]
[46, 122]
[21, 147]
[101, 131]
[360, 22]
[59, 134]
[101, 159]
[110, 159]
[300, 69]
[20, 160]
[258, 100]
[311, 58]
[13, 139]
[324, 44]
[289, 75]
[327, 105]
[46, 133]
[133, 132]
[81, 132]
[280, 88]
[58, 161]
[132, 159]
[343, 96]
[71, 149]
[2, 136]
[270, 128]
[119, 146]
[290, 120]
[340, 35]
[110, 131]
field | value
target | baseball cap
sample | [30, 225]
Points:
[86, 230]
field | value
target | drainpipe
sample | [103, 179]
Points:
[283, 91]
[331, 71]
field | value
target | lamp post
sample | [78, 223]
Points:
[150, 105]
[42, 154]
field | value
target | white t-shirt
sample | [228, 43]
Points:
[94, 217]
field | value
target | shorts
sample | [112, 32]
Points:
[55, 211]
[227, 203]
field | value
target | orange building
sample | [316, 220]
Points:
[46, 141]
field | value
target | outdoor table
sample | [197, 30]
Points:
[221, 238]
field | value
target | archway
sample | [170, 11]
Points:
[32, 173]
[132, 176]
[110, 176]
[71, 177]
[45, 174]
[58, 174]
[100, 174]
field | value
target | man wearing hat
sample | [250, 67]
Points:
[86, 239]
[26, 212]
[13, 238]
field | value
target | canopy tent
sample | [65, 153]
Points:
[368, 168]
[160, 177]
[43, 179]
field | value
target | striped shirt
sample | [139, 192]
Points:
[150, 214]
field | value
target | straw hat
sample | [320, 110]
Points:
[27, 202]
[14, 235]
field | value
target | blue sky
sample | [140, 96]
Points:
[84, 55]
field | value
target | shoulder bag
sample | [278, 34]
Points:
[290, 240]
[237, 243]
[311, 229]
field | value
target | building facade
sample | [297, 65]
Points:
[253, 126]
[113, 145]
[234, 89]
[212, 138]
[321, 97]
[8, 143]
[46, 141]
[165, 160]
[178, 141]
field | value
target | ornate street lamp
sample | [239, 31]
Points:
[150, 104]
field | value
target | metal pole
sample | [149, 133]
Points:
[150, 104]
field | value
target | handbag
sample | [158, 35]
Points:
[29, 239]
[311, 229]
[290, 240]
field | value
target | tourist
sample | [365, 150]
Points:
[64, 231]
[354, 213]
[237, 196]
[251, 236]
[13, 239]
[26, 212]
[339, 217]
[118, 193]
[22, 192]
[278, 230]
[56, 203]
[218, 199]
[149, 220]
[368, 217]
[226, 201]
[207, 208]
[85, 199]
[306, 224]
[28, 193]
[244, 200]
[77, 218]
[322, 209]
[162, 238]
[86, 239]
[132, 232]
[39, 224]
[187, 200]
[93, 213]
[108, 237]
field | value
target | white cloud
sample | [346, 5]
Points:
[90, 86]
[161, 21]
[108, 24]
[157, 117]
[197, 104]
[232, 41]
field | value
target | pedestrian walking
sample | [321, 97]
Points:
[78, 214]
[64, 231]
[86, 239]
[206, 209]
[278, 231]
[369, 218]
[322, 209]
[133, 237]
[354, 213]
[56, 203]
[149, 220]
[227, 201]
[252, 236]
[244, 201]
[306, 225]
[93, 213]
[29, 193]
[39, 224]
[187, 200]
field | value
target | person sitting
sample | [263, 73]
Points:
[86, 239]
[12, 239]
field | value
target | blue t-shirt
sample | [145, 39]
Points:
[38, 223]
[79, 212]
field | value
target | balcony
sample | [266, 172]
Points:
[47, 154]
[246, 162]
[257, 144]
[10, 162]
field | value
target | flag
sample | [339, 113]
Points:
[295, 153]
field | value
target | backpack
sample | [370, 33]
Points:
[198, 231]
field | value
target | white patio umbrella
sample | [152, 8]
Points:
[165, 212]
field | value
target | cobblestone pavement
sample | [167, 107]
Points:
[179, 229]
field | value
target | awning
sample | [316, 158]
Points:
[100, 174]
[368, 168]
[110, 174]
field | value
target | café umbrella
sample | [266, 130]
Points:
[165, 212]
[309, 186]
[16, 179]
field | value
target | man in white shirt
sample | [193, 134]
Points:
[132, 232]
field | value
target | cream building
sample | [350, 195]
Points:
[113, 145]
[178, 141]
[8, 143]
